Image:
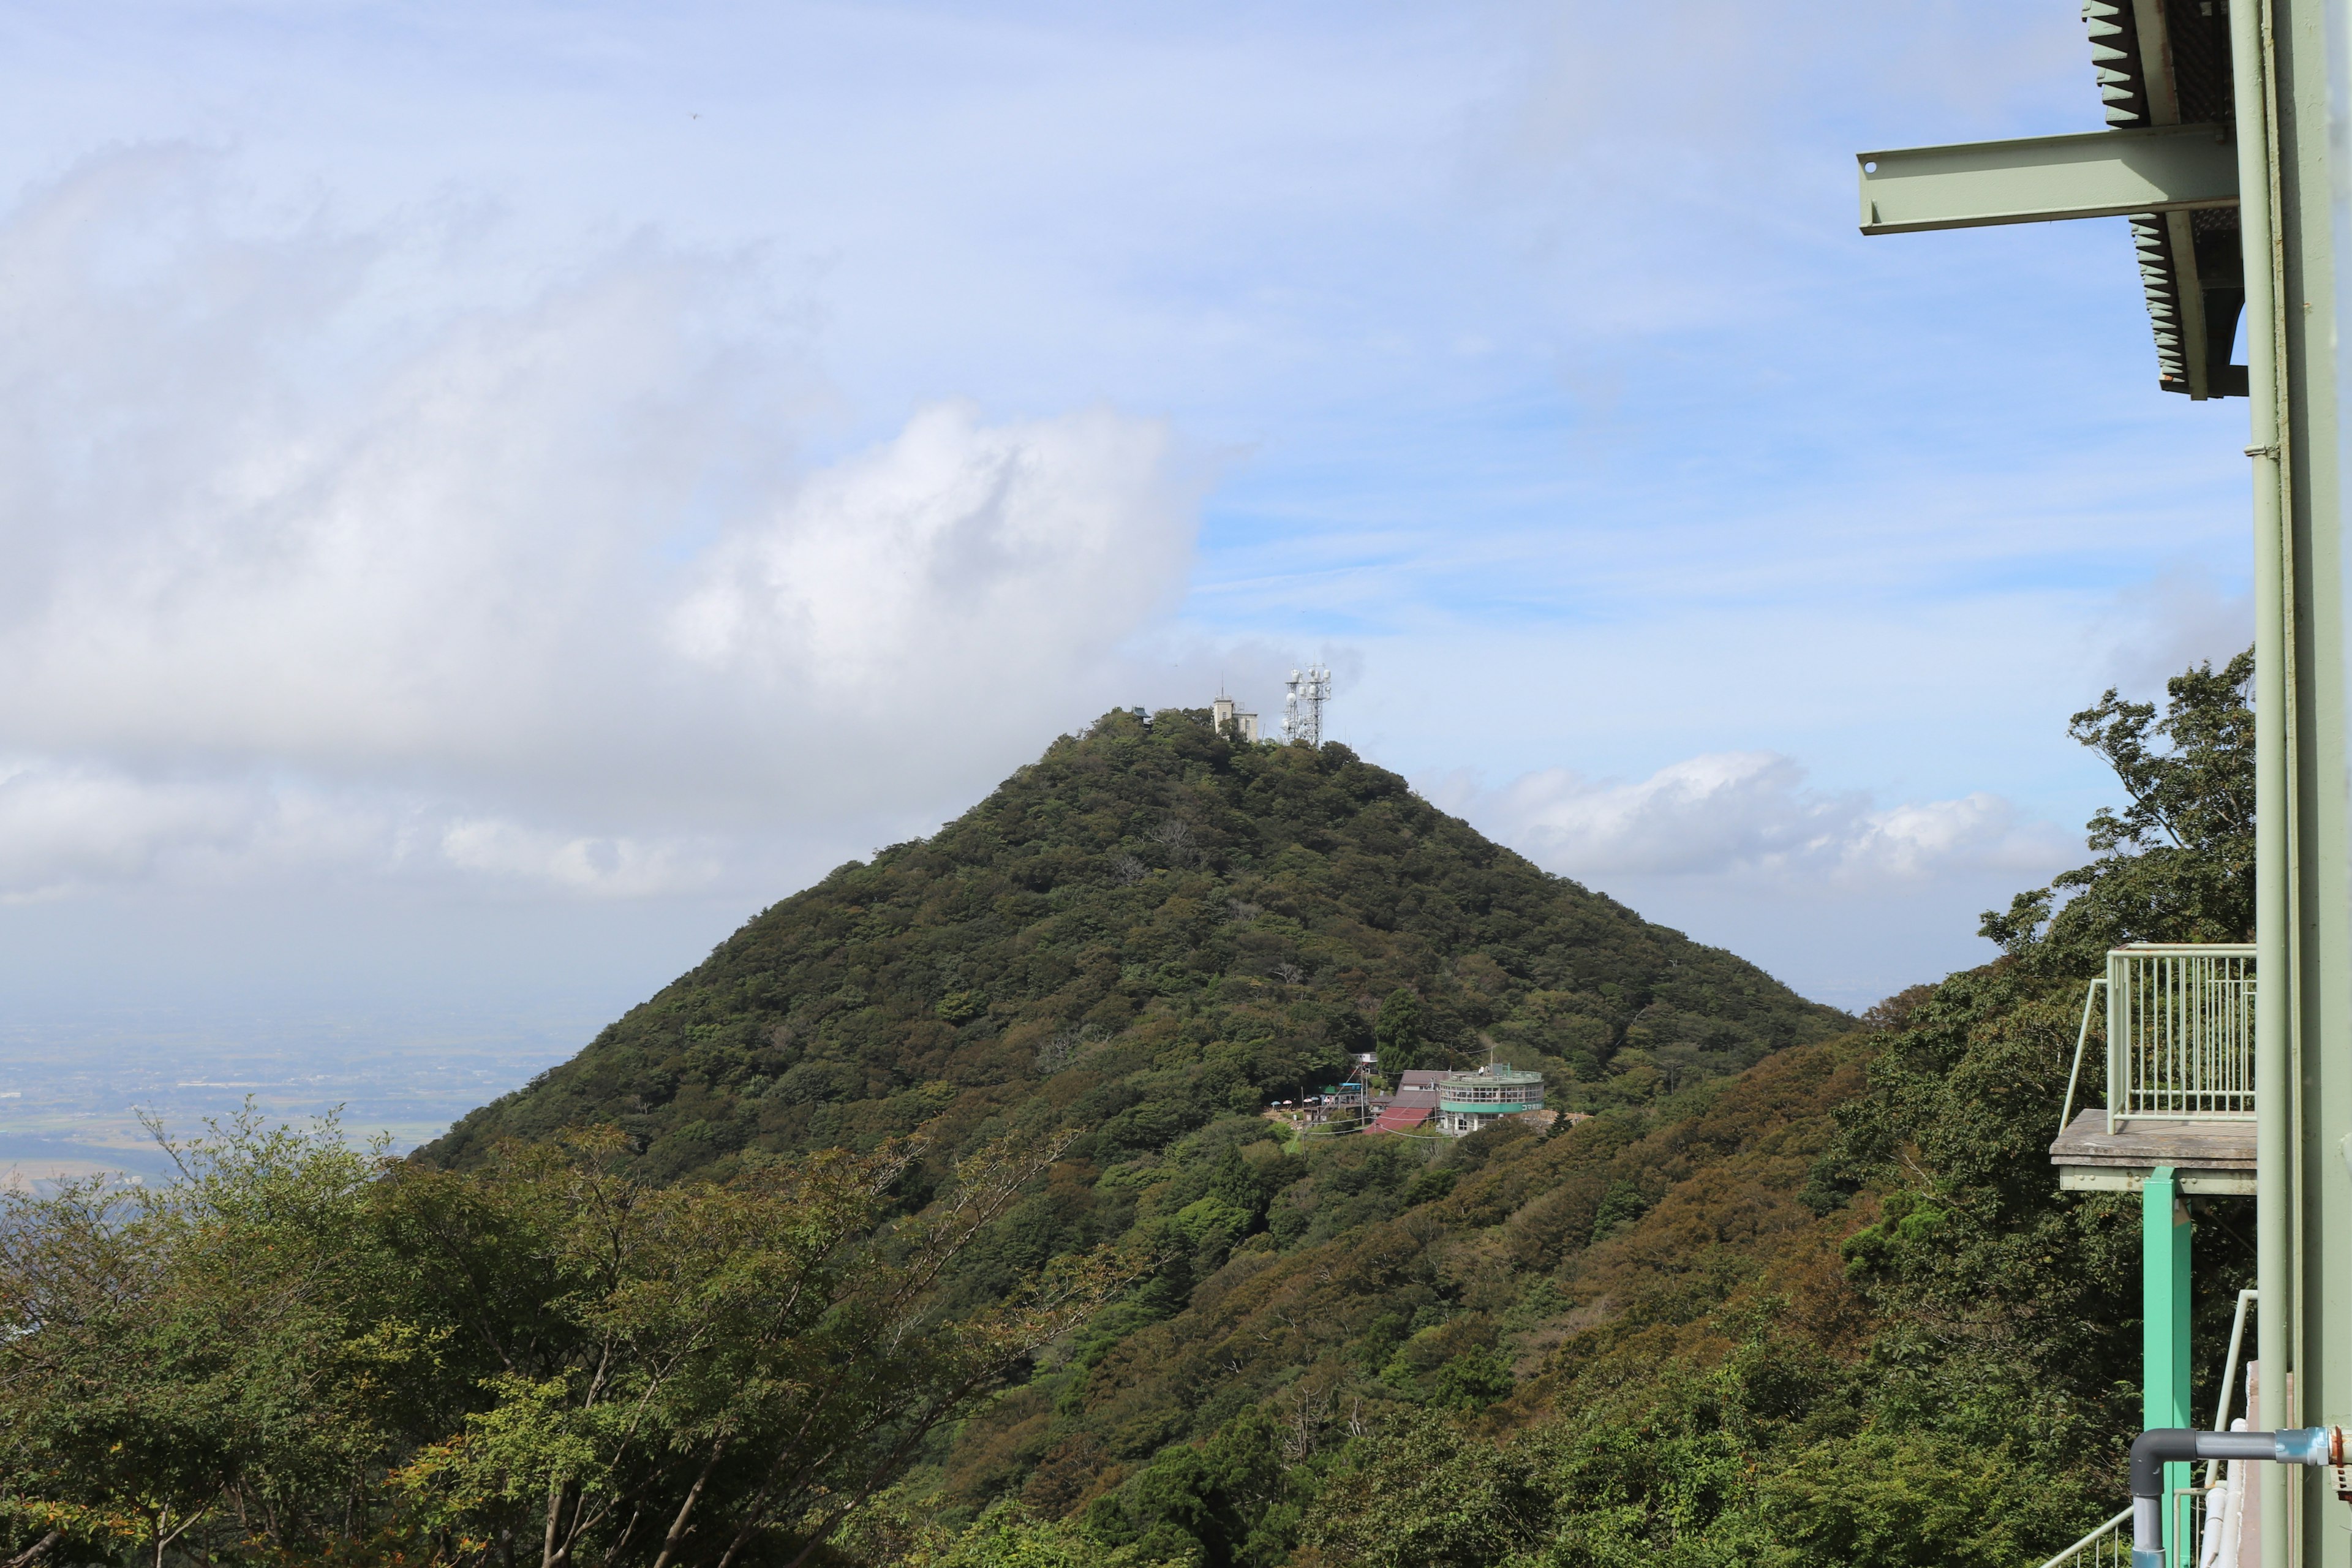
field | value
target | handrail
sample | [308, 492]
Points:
[2230, 1373]
[2180, 1033]
[2189, 948]
[2081, 1036]
[2106, 1530]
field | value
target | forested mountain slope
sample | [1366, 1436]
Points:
[1828, 1308]
[1146, 929]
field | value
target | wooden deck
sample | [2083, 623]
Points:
[2211, 1157]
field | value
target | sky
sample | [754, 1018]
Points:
[493, 495]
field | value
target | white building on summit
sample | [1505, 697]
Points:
[1243, 726]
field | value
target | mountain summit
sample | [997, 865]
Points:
[1151, 926]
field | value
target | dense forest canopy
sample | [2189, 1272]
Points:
[1153, 926]
[970, 1138]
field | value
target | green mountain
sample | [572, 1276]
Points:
[1802, 1291]
[1148, 929]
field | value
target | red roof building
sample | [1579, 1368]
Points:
[1401, 1117]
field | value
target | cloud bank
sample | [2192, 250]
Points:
[1750, 813]
[1843, 896]
[312, 565]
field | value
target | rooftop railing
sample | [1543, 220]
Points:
[1494, 1087]
[2180, 1034]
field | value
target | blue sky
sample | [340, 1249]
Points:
[501, 491]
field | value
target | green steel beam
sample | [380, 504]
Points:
[2102, 173]
[2164, 1315]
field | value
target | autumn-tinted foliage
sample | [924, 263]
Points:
[1801, 1291]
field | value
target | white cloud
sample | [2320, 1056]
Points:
[614, 868]
[68, 827]
[1749, 813]
[864, 583]
[1843, 897]
[2157, 628]
[62, 826]
[309, 559]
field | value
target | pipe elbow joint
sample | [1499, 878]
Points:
[2160, 1445]
[2152, 1450]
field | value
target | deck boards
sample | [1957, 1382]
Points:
[2213, 1157]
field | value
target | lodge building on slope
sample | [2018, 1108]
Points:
[1435, 1101]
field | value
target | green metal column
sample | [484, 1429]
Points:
[2164, 1317]
[2274, 766]
[2319, 1046]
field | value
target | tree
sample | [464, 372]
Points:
[2178, 862]
[1396, 1032]
[169, 1355]
[729, 1364]
[302, 1351]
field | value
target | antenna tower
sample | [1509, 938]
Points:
[1303, 697]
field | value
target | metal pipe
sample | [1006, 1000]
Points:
[2160, 1445]
[2274, 1096]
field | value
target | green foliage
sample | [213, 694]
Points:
[1903, 1242]
[1231, 1502]
[297, 1351]
[1424, 1494]
[1150, 927]
[1799, 1294]
[1006, 1536]
[1398, 1031]
[1620, 1206]
[961, 1006]
[160, 1346]
[2178, 862]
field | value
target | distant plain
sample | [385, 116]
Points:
[72, 1093]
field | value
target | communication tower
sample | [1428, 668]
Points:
[1303, 695]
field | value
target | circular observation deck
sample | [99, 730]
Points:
[1495, 1091]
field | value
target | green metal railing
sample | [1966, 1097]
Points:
[2180, 1034]
[2109, 1546]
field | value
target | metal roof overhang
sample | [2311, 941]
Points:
[2167, 165]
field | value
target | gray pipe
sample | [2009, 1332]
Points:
[2160, 1445]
